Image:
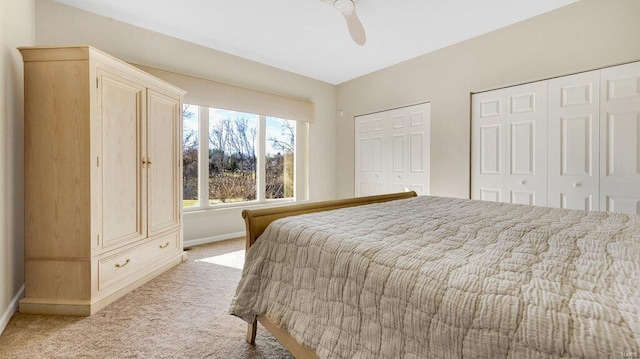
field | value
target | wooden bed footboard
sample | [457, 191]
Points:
[256, 221]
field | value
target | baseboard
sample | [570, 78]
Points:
[224, 237]
[13, 307]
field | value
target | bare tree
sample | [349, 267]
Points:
[289, 133]
[189, 157]
[219, 141]
[232, 160]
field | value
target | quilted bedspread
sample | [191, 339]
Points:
[432, 277]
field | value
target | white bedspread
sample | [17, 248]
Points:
[432, 277]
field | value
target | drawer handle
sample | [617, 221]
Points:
[118, 265]
[164, 246]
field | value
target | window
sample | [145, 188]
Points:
[232, 157]
[190, 121]
[279, 158]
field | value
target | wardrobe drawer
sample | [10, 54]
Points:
[133, 263]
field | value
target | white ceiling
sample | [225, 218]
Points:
[310, 38]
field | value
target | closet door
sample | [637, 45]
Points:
[574, 167]
[409, 138]
[488, 151]
[371, 158]
[392, 151]
[620, 139]
[526, 142]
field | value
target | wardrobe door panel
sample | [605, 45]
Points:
[163, 162]
[620, 139]
[121, 104]
[574, 170]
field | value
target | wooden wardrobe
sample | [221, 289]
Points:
[103, 180]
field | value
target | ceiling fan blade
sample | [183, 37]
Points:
[355, 28]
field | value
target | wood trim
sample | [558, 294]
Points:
[86, 52]
[256, 222]
[296, 349]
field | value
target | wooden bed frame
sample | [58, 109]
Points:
[256, 222]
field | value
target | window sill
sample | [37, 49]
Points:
[237, 207]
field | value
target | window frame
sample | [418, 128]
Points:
[299, 169]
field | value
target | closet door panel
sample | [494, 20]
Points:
[392, 151]
[362, 157]
[488, 135]
[573, 141]
[400, 150]
[620, 139]
[370, 178]
[526, 141]
[410, 134]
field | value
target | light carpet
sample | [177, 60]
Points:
[179, 314]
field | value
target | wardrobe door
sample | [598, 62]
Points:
[488, 146]
[526, 162]
[574, 170]
[163, 162]
[121, 103]
[620, 139]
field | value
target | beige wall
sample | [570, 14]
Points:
[59, 24]
[582, 36]
[17, 28]
[586, 35]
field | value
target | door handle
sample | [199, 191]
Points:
[146, 161]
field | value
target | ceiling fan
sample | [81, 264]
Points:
[348, 9]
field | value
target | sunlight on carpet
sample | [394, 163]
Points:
[232, 259]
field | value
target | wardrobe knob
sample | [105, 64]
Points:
[577, 184]
[523, 182]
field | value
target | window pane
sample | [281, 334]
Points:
[190, 155]
[232, 156]
[280, 158]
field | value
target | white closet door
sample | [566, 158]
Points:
[620, 139]
[574, 167]
[371, 154]
[526, 162]
[488, 138]
[409, 149]
[392, 151]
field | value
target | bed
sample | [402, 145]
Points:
[430, 277]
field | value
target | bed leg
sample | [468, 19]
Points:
[251, 332]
